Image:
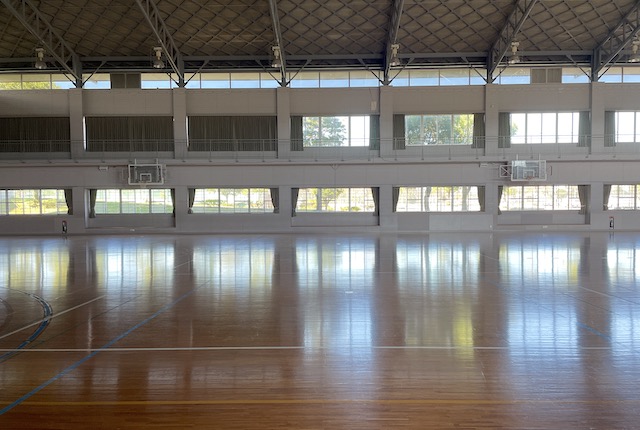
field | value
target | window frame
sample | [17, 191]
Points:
[527, 198]
[131, 201]
[439, 198]
[423, 138]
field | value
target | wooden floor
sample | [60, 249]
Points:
[321, 331]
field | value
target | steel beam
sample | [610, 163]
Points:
[616, 41]
[502, 45]
[273, 9]
[165, 40]
[392, 36]
[54, 45]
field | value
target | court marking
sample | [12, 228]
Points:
[78, 363]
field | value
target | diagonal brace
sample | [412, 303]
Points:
[152, 14]
[508, 34]
[31, 18]
[273, 9]
[392, 36]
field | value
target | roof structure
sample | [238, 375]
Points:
[85, 36]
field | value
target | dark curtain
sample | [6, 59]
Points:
[233, 133]
[374, 132]
[375, 193]
[296, 134]
[395, 195]
[504, 130]
[605, 197]
[294, 200]
[609, 129]
[192, 199]
[478, 131]
[129, 133]
[68, 198]
[584, 129]
[172, 191]
[500, 188]
[275, 200]
[583, 195]
[399, 138]
[481, 197]
[92, 202]
[35, 134]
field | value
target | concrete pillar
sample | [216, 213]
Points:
[180, 122]
[76, 121]
[386, 121]
[283, 107]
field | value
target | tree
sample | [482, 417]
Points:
[323, 131]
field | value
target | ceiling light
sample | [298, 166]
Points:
[635, 56]
[40, 63]
[157, 61]
[514, 58]
[277, 61]
[394, 61]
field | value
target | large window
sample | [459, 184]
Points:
[335, 200]
[232, 200]
[323, 131]
[624, 197]
[450, 129]
[540, 198]
[548, 127]
[32, 202]
[627, 127]
[438, 199]
[133, 201]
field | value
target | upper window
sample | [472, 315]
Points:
[323, 131]
[627, 127]
[624, 197]
[450, 129]
[547, 127]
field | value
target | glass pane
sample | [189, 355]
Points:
[97, 81]
[631, 74]
[334, 79]
[462, 129]
[245, 80]
[418, 78]
[613, 75]
[625, 126]
[333, 130]
[400, 80]
[10, 82]
[359, 135]
[215, 80]
[534, 128]
[574, 75]
[568, 127]
[311, 131]
[155, 81]
[305, 80]
[413, 129]
[518, 128]
[515, 75]
[36, 82]
[445, 129]
[454, 77]
[268, 81]
[60, 82]
[363, 79]
[549, 128]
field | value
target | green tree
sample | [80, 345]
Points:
[323, 131]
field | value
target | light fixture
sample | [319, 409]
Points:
[40, 63]
[394, 61]
[635, 56]
[277, 61]
[514, 58]
[157, 61]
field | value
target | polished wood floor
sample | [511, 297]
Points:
[321, 332]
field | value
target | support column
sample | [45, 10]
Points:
[387, 217]
[491, 115]
[76, 122]
[386, 122]
[283, 106]
[179, 123]
[597, 117]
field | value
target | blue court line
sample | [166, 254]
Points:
[594, 331]
[94, 353]
[47, 312]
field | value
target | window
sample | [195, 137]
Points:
[627, 127]
[33, 202]
[438, 199]
[450, 129]
[134, 201]
[333, 131]
[335, 200]
[232, 200]
[540, 198]
[624, 197]
[549, 127]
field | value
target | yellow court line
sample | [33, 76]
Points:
[319, 401]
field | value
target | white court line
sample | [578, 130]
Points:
[57, 314]
[276, 348]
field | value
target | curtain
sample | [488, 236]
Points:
[478, 131]
[395, 195]
[374, 132]
[375, 193]
[296, 134]
[172, 192]
[233, 133]
[605, 197]
[481, 197]
[294, 200]
[275, 200]
[583, 195]
[500, 188]
[399, 138]
[425, 198]
[609, 129]
[68, 198]
[35, 134]
[129, 133]
[584, 129]
[92, 202]
[192, 199]
[504, 130]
